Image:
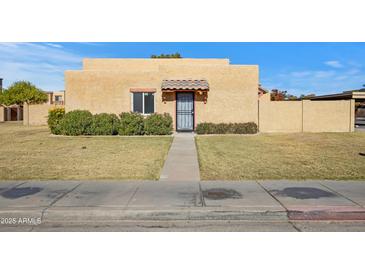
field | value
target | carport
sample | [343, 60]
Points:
[13, 113]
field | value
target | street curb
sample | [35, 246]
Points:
[107, 215]
[117, 214]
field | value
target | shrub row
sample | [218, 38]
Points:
[82, 122]
[226, 128]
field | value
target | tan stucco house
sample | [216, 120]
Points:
[191, 90]
[195, 91]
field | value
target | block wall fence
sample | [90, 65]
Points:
[273, 116]
[36, 115]
[305, 115]
[2, 118]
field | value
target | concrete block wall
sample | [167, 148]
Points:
[328, 116]
[2, 114]
[306, 115]
[36, 115]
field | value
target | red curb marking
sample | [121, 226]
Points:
[327, 215]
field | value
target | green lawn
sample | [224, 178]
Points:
[31, 153]
[282, 156]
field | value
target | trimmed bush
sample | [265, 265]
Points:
[226, 128]
[55, 117]
[158, 124]
[131, 124]
[223, 128]
[205, 128]
[245, 128]
[77, 122]
[104, 124]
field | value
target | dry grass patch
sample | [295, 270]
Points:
[282, 156]
[31, 153]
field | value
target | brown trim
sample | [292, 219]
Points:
[152, 90]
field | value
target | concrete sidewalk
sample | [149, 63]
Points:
[181, 164]
[108, 202]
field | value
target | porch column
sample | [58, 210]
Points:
[18, 113]
[8, 114]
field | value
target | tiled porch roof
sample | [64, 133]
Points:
[185, 84]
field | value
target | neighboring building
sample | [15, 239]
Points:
[358, 95]
[37, 114]
[191, 90]
[262, 91]
[56, 97]
[10, 113]
[16, 113]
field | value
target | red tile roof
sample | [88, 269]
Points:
[185, 84]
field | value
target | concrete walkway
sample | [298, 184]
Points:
[181, 164]
[104, 203]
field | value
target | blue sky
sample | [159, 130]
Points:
[299, 68]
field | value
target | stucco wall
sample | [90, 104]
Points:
[328, 116]
[233, 91]
[279, 116]
[37, 114]
[2, 116]
[139, 64]
[232, 96]
[306, 116]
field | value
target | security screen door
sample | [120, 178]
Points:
[184, 111]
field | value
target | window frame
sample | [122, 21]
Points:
[143, 108]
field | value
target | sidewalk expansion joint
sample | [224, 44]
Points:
[201, 195]
[272, 196]
[294, 226]
[130, 199]
[57, 199]
[280, 203]
[339, 194]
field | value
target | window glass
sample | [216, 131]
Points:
[149, 105]
[137, 102]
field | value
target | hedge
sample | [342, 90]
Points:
[55, 117]
[82, 122]
[158, 124]
[104, 124]
[77, 122]
[131, 124]
[227, 128]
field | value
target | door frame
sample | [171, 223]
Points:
[176, 96]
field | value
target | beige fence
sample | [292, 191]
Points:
[306, 115]
[36, 115]
[2, 114]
